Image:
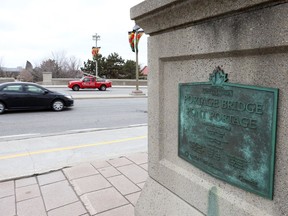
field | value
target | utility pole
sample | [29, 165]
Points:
[96, 37]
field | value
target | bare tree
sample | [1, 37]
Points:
[73, 66]
[51, 65]
[26, 76]
[1, 65]
[60, 58]
[61, 66]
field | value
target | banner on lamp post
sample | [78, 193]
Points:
[131, 36]
[134, 37]
[138, 36]
[95, 51]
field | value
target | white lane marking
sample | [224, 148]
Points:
[137, 125]
[18, 135]
[107, 128]
[88, 129]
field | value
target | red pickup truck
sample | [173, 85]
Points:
[90, 82]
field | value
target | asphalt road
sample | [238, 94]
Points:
[87, 114]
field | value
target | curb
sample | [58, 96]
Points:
[78, 97]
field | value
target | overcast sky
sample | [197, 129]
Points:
[35, 29]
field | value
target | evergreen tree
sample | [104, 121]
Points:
[112, 67]
[129, 69]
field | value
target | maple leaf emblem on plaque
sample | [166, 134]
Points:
[218, 77]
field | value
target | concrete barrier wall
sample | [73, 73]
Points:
[2, 80]
[124, 82]
[48, 80]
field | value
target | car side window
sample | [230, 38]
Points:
[12, 88]
[33, 89]
[87, 80]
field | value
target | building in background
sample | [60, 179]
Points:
[144, 72]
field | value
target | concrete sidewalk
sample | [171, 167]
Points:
[104, 188]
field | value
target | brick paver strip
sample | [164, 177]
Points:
[28, 192]
[145, 166]
[80, 171]
[138, 158]
[58, 194]
[25, 182]
[74, 209]
[103, 200]
[134, 173]
[7, 206]
[133, 198]
[6, 188]
[123, 184]
[117, 162]
[31, 207]
[141, 185]
[51, 177]
[90, 183]
[127, 210]
[100, 164]
[109, 171]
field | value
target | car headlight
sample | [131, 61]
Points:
[69, 97]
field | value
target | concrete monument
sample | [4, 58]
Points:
[188, 40]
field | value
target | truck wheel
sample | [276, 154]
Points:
[102, 88]
[75, 88]
[2, 107]
[58, 105]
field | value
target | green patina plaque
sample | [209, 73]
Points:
[229, 131]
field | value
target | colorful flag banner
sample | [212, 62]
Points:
[134, 37]
[95, 51]
[131, 36]
[138, 36]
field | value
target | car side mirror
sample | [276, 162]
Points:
[46, 91]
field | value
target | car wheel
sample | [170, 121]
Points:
[102, 88]
[75, 88]
[58, 105]
[2, 107]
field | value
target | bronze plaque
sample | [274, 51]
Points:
[229, 131]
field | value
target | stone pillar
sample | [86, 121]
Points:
[47, 78]
[188, 39]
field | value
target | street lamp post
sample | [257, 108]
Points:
[136, 30]
[96, 37]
